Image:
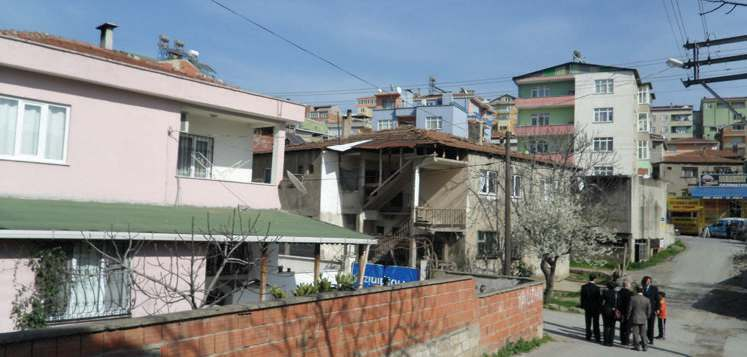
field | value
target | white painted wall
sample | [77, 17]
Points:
[232, 152]
[330, 204]
[625, 123]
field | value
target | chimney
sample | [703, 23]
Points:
[107, 35]
[347, 124]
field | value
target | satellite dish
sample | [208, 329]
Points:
[577, 57]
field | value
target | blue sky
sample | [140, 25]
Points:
[478, 43]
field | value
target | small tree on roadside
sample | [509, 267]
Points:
[553, 217]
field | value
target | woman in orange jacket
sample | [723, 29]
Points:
[662, 313]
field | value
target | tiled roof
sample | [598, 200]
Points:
[113, 55]
[407, 137]
[700, 157]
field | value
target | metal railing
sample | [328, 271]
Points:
[91, 292]
[441, 217]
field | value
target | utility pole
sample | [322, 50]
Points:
[507, 188]
[697, 62]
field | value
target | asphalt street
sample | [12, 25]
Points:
[707, 308]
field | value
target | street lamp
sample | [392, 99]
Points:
[673, 62]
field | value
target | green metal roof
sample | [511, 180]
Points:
[56, 215]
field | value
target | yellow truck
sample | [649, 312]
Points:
[686, 214]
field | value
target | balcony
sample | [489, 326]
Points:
[440, 218]
[546, 102]
[544, 130]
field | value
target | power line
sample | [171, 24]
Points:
[294, 44]
[671, 27]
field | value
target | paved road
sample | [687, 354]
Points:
[707, 309]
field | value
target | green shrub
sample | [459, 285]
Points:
[662, 256]
[345, 281]
[520, 346]
[33, 305]
[304, 289]
[278, 293]
[324, 285]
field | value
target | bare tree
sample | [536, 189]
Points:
[553, 216]
[198, 270]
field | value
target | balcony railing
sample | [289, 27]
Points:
[545, 130]
[441, 217]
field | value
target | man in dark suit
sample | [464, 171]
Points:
[638, 312]
[625, 295]
[652, 293]
[591, 302]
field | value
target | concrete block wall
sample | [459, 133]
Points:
[442, 317]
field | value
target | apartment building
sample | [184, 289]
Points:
[506, 115]
[673, 121]
[96, 141]
[426, 194]
[461, 113]
[716, 115]
[609, 109]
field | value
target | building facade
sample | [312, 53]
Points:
[599, 116]
[98, 143]
[673, 121]
[715, 115]
[459, 113]
[506, 115]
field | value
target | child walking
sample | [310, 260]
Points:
[662, 313]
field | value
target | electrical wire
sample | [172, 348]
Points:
[295, 44]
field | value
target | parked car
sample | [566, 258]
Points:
[731, 228]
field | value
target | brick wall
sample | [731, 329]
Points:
[407, 319]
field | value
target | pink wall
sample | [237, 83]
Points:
[14, 273]
[155, 260]
[68, 64]
[119, 149]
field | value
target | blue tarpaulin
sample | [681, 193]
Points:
[719, 192]
[377, 275]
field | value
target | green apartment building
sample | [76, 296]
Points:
[716, 115]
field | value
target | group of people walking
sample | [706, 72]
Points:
[635, 309]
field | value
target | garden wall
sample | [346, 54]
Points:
[444, 316]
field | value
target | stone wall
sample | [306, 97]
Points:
[445, 317]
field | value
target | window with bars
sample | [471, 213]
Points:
[195, 157]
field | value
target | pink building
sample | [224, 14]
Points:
[86, 131]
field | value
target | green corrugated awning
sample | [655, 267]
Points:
[69, 217]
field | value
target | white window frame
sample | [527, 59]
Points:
[515, 186]
[42, 138]
[643, 150]
[603, 171]
[643, 123]
[604, 86]
[643, 96]
[487, 176]
[539, 92]
[603, 144]
[608, 116]
[540, 119]
[390, 124]
[434, 122]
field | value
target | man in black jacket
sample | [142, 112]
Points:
[652, 293]
[591, 302]
[625, 294]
